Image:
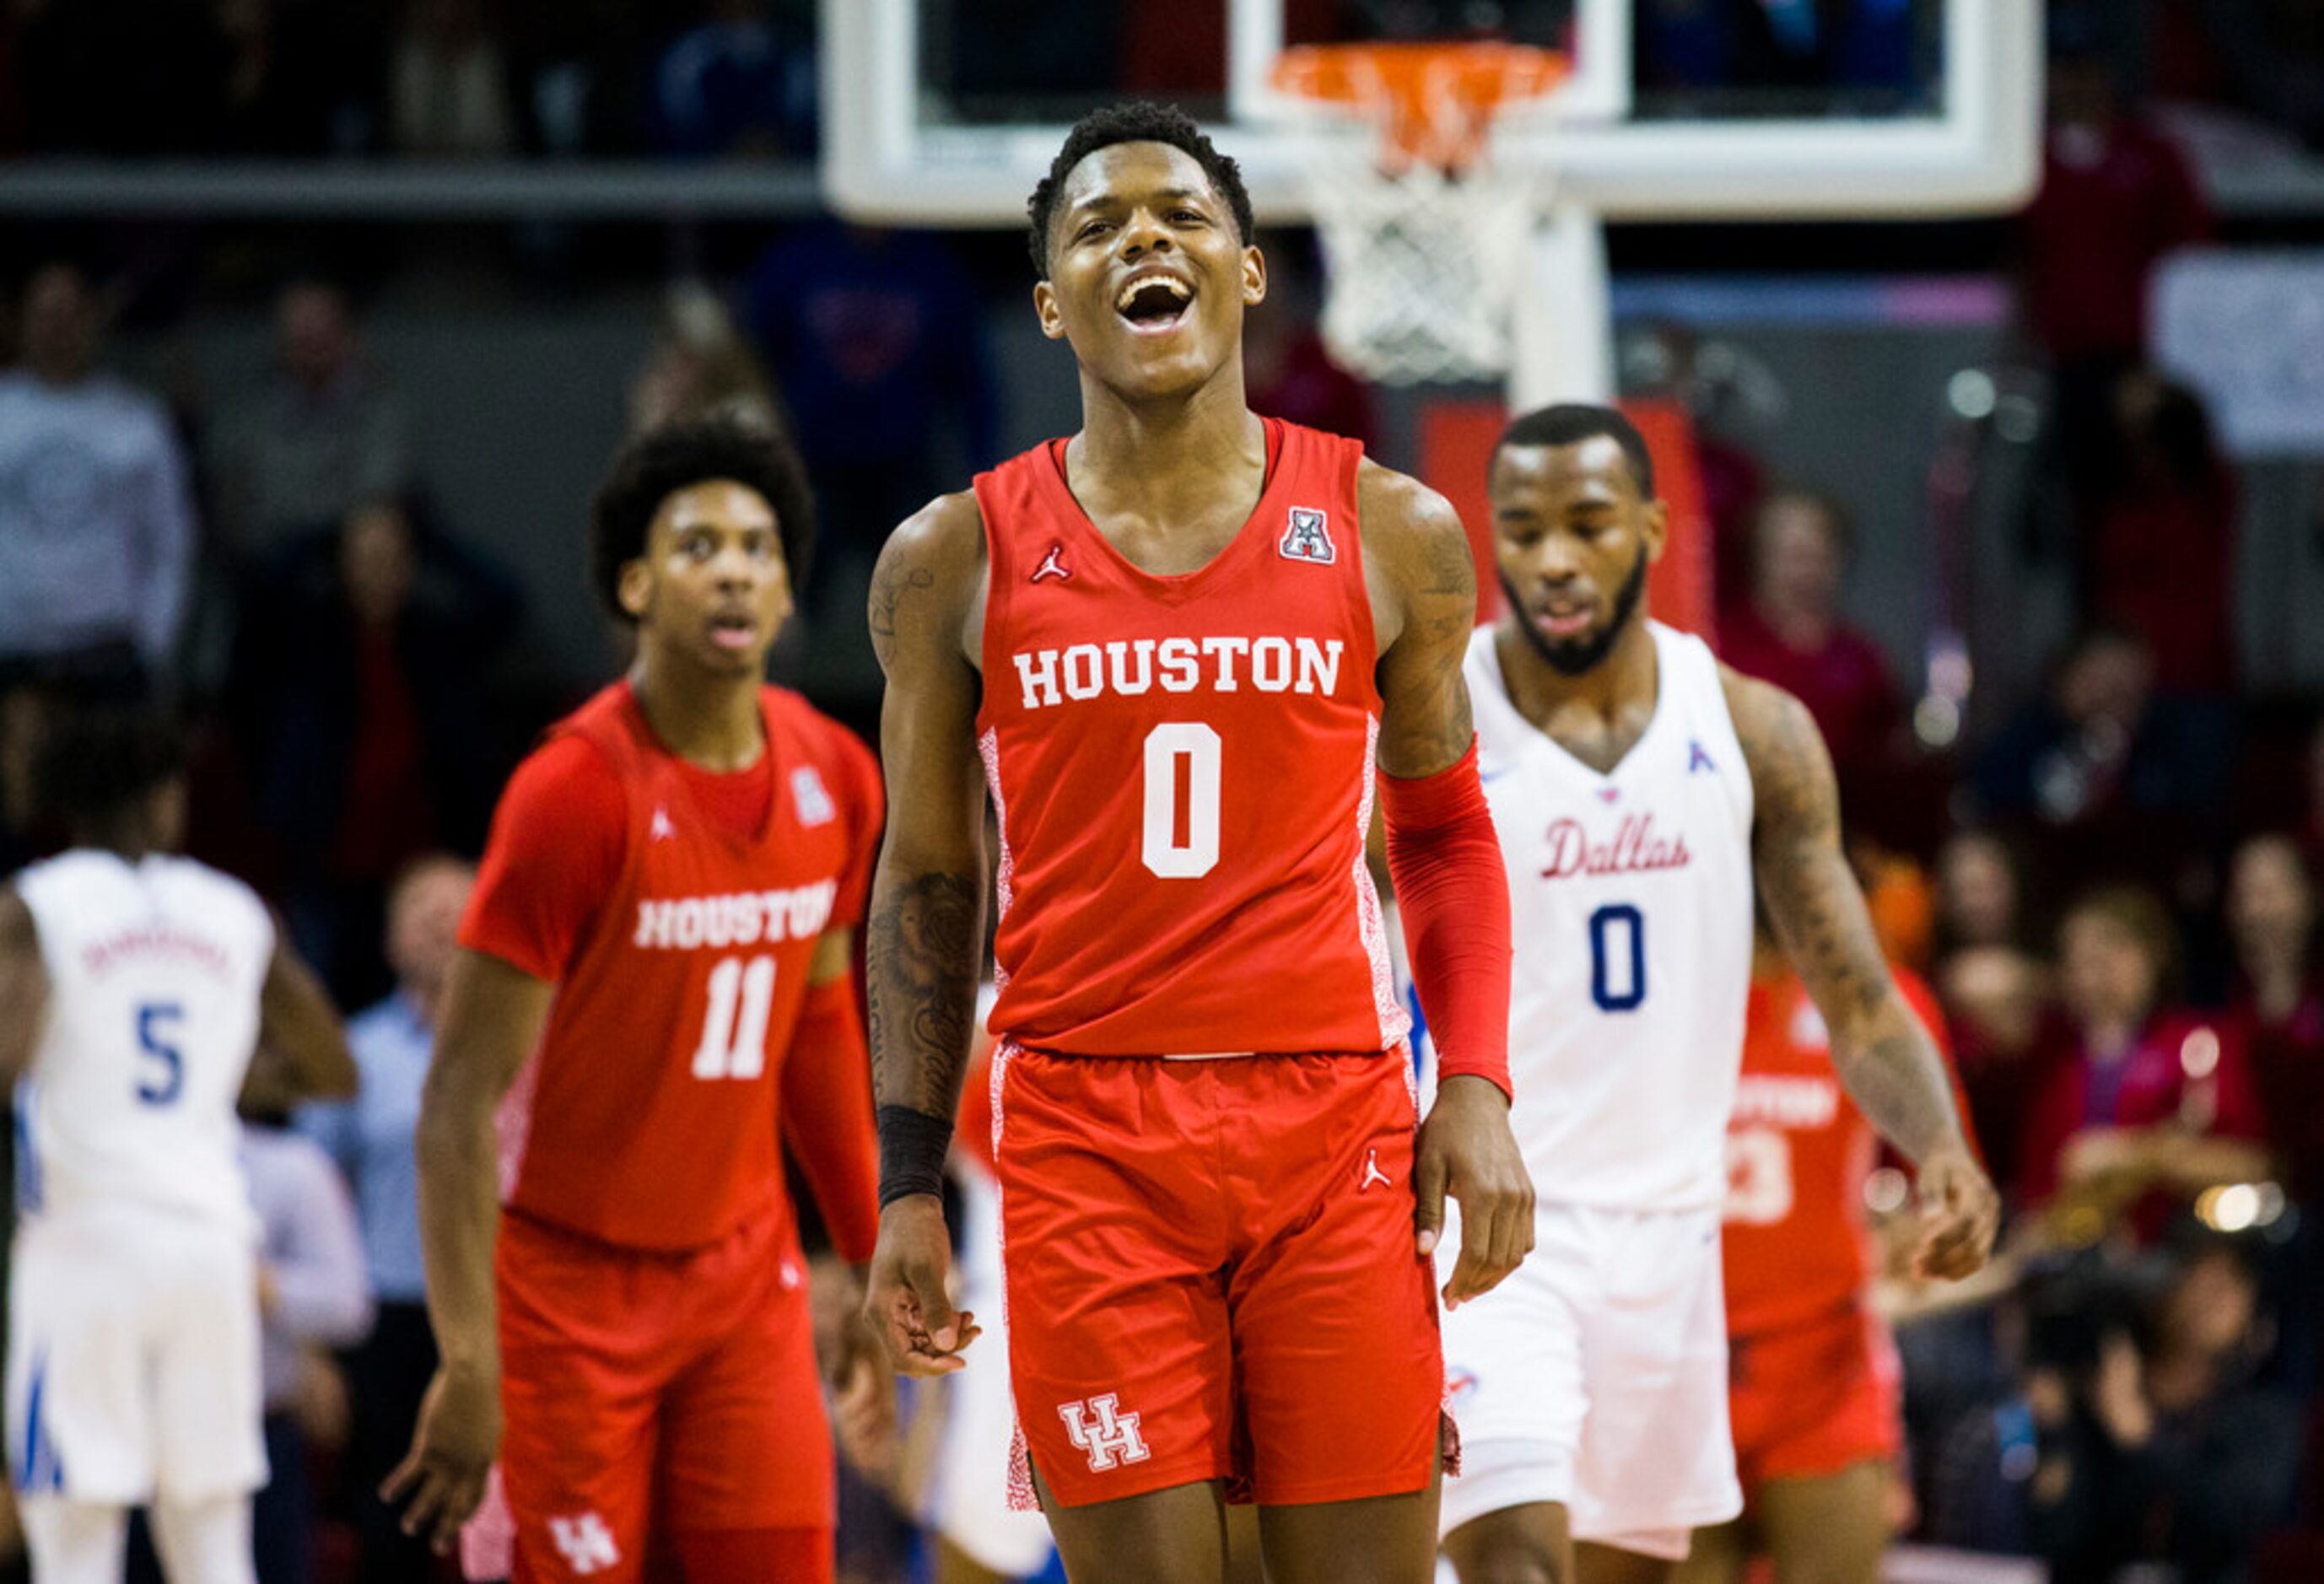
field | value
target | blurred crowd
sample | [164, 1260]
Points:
[2113, 887]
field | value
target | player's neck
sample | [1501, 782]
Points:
[712, 722]
[1171, 458]
[1624, 680]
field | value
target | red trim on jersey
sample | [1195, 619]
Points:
[1454, 892]
[827, 1122]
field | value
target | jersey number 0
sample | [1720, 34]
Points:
[1182, 835]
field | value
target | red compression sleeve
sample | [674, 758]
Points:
[827, 1116]
[1453, 896]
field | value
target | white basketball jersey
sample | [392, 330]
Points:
[154, 974]
[1630, 909]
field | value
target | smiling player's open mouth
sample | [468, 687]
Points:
[1154, 305]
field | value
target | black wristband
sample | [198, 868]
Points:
[912, 1147]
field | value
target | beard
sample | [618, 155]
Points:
[1578, 657]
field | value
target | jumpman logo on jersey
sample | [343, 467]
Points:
[1053, 564]
[1372, 1172]
[1696, 759]
[585, 1543]
[662, 830]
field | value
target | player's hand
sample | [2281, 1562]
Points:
[904, 1300]
[865, 1421]
[1959, 1214]
[1467, 1150]
[452, 1451]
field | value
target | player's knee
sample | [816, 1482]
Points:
[1486, 1553]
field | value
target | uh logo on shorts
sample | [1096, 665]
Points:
[584, 1541]
[1113, 1440]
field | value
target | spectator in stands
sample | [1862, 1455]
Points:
[2279, 1005]
[2142, 1103]
[1792, 632]
[371, 1139]
[2113, 780]
[2116, 199]
[2161, 1449]
[702, 365]
[877, 346]
[96, 520]
[324, 432]
[741, 83]
[447, 85]
[361, 690]
[2158, 533]
[1994, 990]
[313, 1295]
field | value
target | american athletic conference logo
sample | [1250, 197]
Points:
[1307, 537]
[1113, 1440]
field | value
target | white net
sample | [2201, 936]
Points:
[1422, 265]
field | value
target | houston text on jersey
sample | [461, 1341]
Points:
[1178, 665]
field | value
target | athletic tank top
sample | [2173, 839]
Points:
[1182, 768]
[154, 972]
[649, 1117]
[1630, 907]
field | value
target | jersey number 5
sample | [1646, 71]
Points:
[157, 1050]
[734, 1032]
[1182, 832]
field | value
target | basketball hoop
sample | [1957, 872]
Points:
[1424, 233]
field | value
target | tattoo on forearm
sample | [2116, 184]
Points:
[1897, 1080]
[1887, 1061]
[920, 956]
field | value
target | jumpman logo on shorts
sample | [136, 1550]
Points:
[1053, 564]
[1372, 1172]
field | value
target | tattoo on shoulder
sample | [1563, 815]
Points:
[921, 952]
[892, 583]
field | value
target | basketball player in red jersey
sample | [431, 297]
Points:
[1176, 649]
[663, 925]
[1815, 1387]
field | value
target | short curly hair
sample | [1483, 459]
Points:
[653, 466]
[95, 761]
[1134, 123]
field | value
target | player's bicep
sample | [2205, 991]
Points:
[921, 592]
[24, 985]
[1432, 577]
[1804, 881]
[491, 1021]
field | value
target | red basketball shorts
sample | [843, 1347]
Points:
[1210, 1276]
[652, 1396]
[1813, 1399]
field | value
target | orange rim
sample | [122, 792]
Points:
[1435, 102]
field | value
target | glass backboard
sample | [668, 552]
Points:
[947, 111]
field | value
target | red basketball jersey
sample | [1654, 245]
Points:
[649, 1117]
[1796, 1242]
[1182, 770]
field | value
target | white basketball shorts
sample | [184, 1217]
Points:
[967, 1500]
[133, 1360]
[1596, 1376]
